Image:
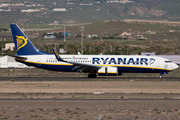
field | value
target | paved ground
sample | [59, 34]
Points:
[89, 86]
[89, 79]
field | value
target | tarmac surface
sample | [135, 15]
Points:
[30, 99]
[89, 79]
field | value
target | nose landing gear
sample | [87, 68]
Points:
[163, 74]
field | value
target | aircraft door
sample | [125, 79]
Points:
[106, 70]
[157, 63]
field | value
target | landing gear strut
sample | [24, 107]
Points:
[160, 76]
[163, 74]
[92, 75]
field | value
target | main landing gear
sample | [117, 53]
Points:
[92, 75]
[160, 76]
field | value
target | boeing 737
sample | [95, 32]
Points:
[104, 65]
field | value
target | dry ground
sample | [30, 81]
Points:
[90, 87]
[138, 100]
[91, 110]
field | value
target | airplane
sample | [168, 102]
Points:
[102, 65]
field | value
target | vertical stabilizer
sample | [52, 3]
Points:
[22, 43]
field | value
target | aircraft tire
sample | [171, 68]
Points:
[89, 75]
[92, 75]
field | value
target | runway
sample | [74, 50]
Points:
[89, 99]
[89, 79]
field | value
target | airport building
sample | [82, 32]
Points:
[59, 9]
[9, 62]
[173, 58]
[9, 46]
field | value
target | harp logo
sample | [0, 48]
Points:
[152, 60]
[21, 42]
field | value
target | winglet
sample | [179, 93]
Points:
[57, 56]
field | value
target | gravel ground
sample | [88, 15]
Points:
[91, 109]
[138, 100]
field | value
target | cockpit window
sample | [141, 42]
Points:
[168, 61]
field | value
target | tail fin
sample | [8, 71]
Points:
[22, 43]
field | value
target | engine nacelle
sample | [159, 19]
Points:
[108, 71]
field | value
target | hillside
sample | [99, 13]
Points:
[169, 9]
[161, 39]
[78, 11]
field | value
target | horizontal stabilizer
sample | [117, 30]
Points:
[22, 58]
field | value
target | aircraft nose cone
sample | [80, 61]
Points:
[175, 66]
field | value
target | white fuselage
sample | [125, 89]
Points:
[124, 63]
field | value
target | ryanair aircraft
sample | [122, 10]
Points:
[105, 65]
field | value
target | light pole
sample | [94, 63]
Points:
[81, 28]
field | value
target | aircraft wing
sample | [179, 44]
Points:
[82, 67]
